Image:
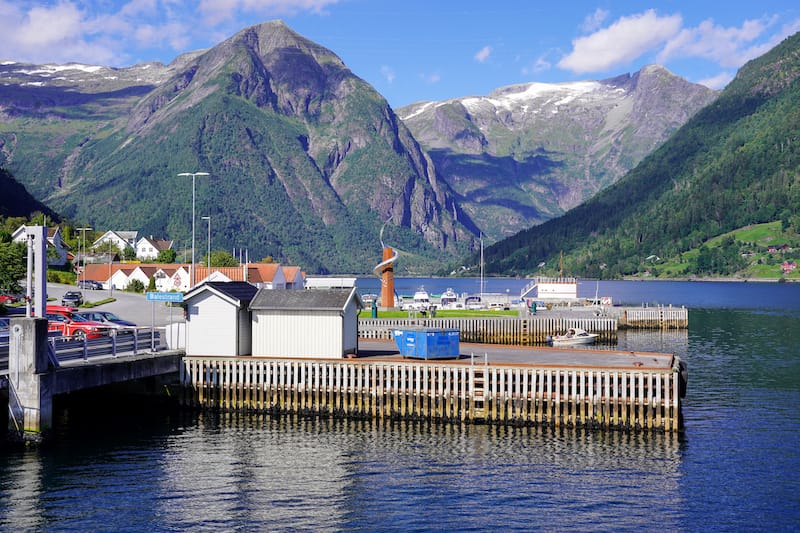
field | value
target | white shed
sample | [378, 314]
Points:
[218, 318]
[318, 324]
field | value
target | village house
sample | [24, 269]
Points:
[148, 248]
[57, 250]
[120, 239]
[176, 277]
[294, 277]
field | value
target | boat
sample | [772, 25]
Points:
[449, 298]
[420, 302]
[573, 336]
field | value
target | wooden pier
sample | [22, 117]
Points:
[613, 390]
[660, 317]
[528, 331]
[534, 330]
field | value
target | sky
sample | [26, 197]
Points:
[421, 50]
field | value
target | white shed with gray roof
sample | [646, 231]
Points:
[319, 324]
[218, 318]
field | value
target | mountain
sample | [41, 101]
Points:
[16, 201]
[734, 164]
[527, 153]
[306, 160]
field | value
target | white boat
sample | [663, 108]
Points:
[422, 300]
[449, 298]
[573, 336]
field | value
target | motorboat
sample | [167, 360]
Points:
[449, 297]
[422, 300]
[573, 336]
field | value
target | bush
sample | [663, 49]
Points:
[135, 286]
[57, 276]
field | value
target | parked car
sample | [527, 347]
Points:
[109, 319]
[4, 325]
[7, 299]
[70, 324]
[72, 298]
[90, 284]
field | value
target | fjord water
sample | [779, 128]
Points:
[136, 467]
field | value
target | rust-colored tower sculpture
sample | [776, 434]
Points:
[387, 278]
[385, 269]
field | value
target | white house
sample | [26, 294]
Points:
[293, 276]
[148, 248]
[319, 324]
[57, 249]
[179, 280]
[218, 318]
[120, 239]
[552, 289]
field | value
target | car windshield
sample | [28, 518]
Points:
[77, 317]
[110, 316]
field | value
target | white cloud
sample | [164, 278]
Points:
[387, 73]
[109, 33]
[541, 64]
[622, 42]
[483, 54]
[727, 47]
[431, 78]
[717, 82]
[594, 20]
[44, 26]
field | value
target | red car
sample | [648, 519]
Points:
[7, 299]
[63, 320]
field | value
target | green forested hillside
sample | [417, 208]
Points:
[15, 201]
[736, 163]
[306, 161]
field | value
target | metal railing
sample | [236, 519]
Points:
[127, 341]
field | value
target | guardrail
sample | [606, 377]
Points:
[128, 341]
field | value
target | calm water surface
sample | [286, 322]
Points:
[136, 467]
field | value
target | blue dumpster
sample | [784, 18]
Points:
[427, 343]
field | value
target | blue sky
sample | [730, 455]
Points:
[413, 50]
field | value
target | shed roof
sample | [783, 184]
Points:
[240, 292]
[323, 299]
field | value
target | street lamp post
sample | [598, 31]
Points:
[194, 176]
[83, 257]
[208, 253]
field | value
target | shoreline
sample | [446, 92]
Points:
[717, 279]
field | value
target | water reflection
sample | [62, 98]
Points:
[121, 464]
[21, 491]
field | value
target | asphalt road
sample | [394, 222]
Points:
[127, 305]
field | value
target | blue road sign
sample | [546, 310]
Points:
[174, 297]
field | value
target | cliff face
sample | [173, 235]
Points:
[527, 153]
[307, 161]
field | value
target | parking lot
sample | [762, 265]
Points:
[127, 305]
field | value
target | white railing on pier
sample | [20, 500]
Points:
[501, 330]
[501, 394]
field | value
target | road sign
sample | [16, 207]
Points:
[174, 297]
